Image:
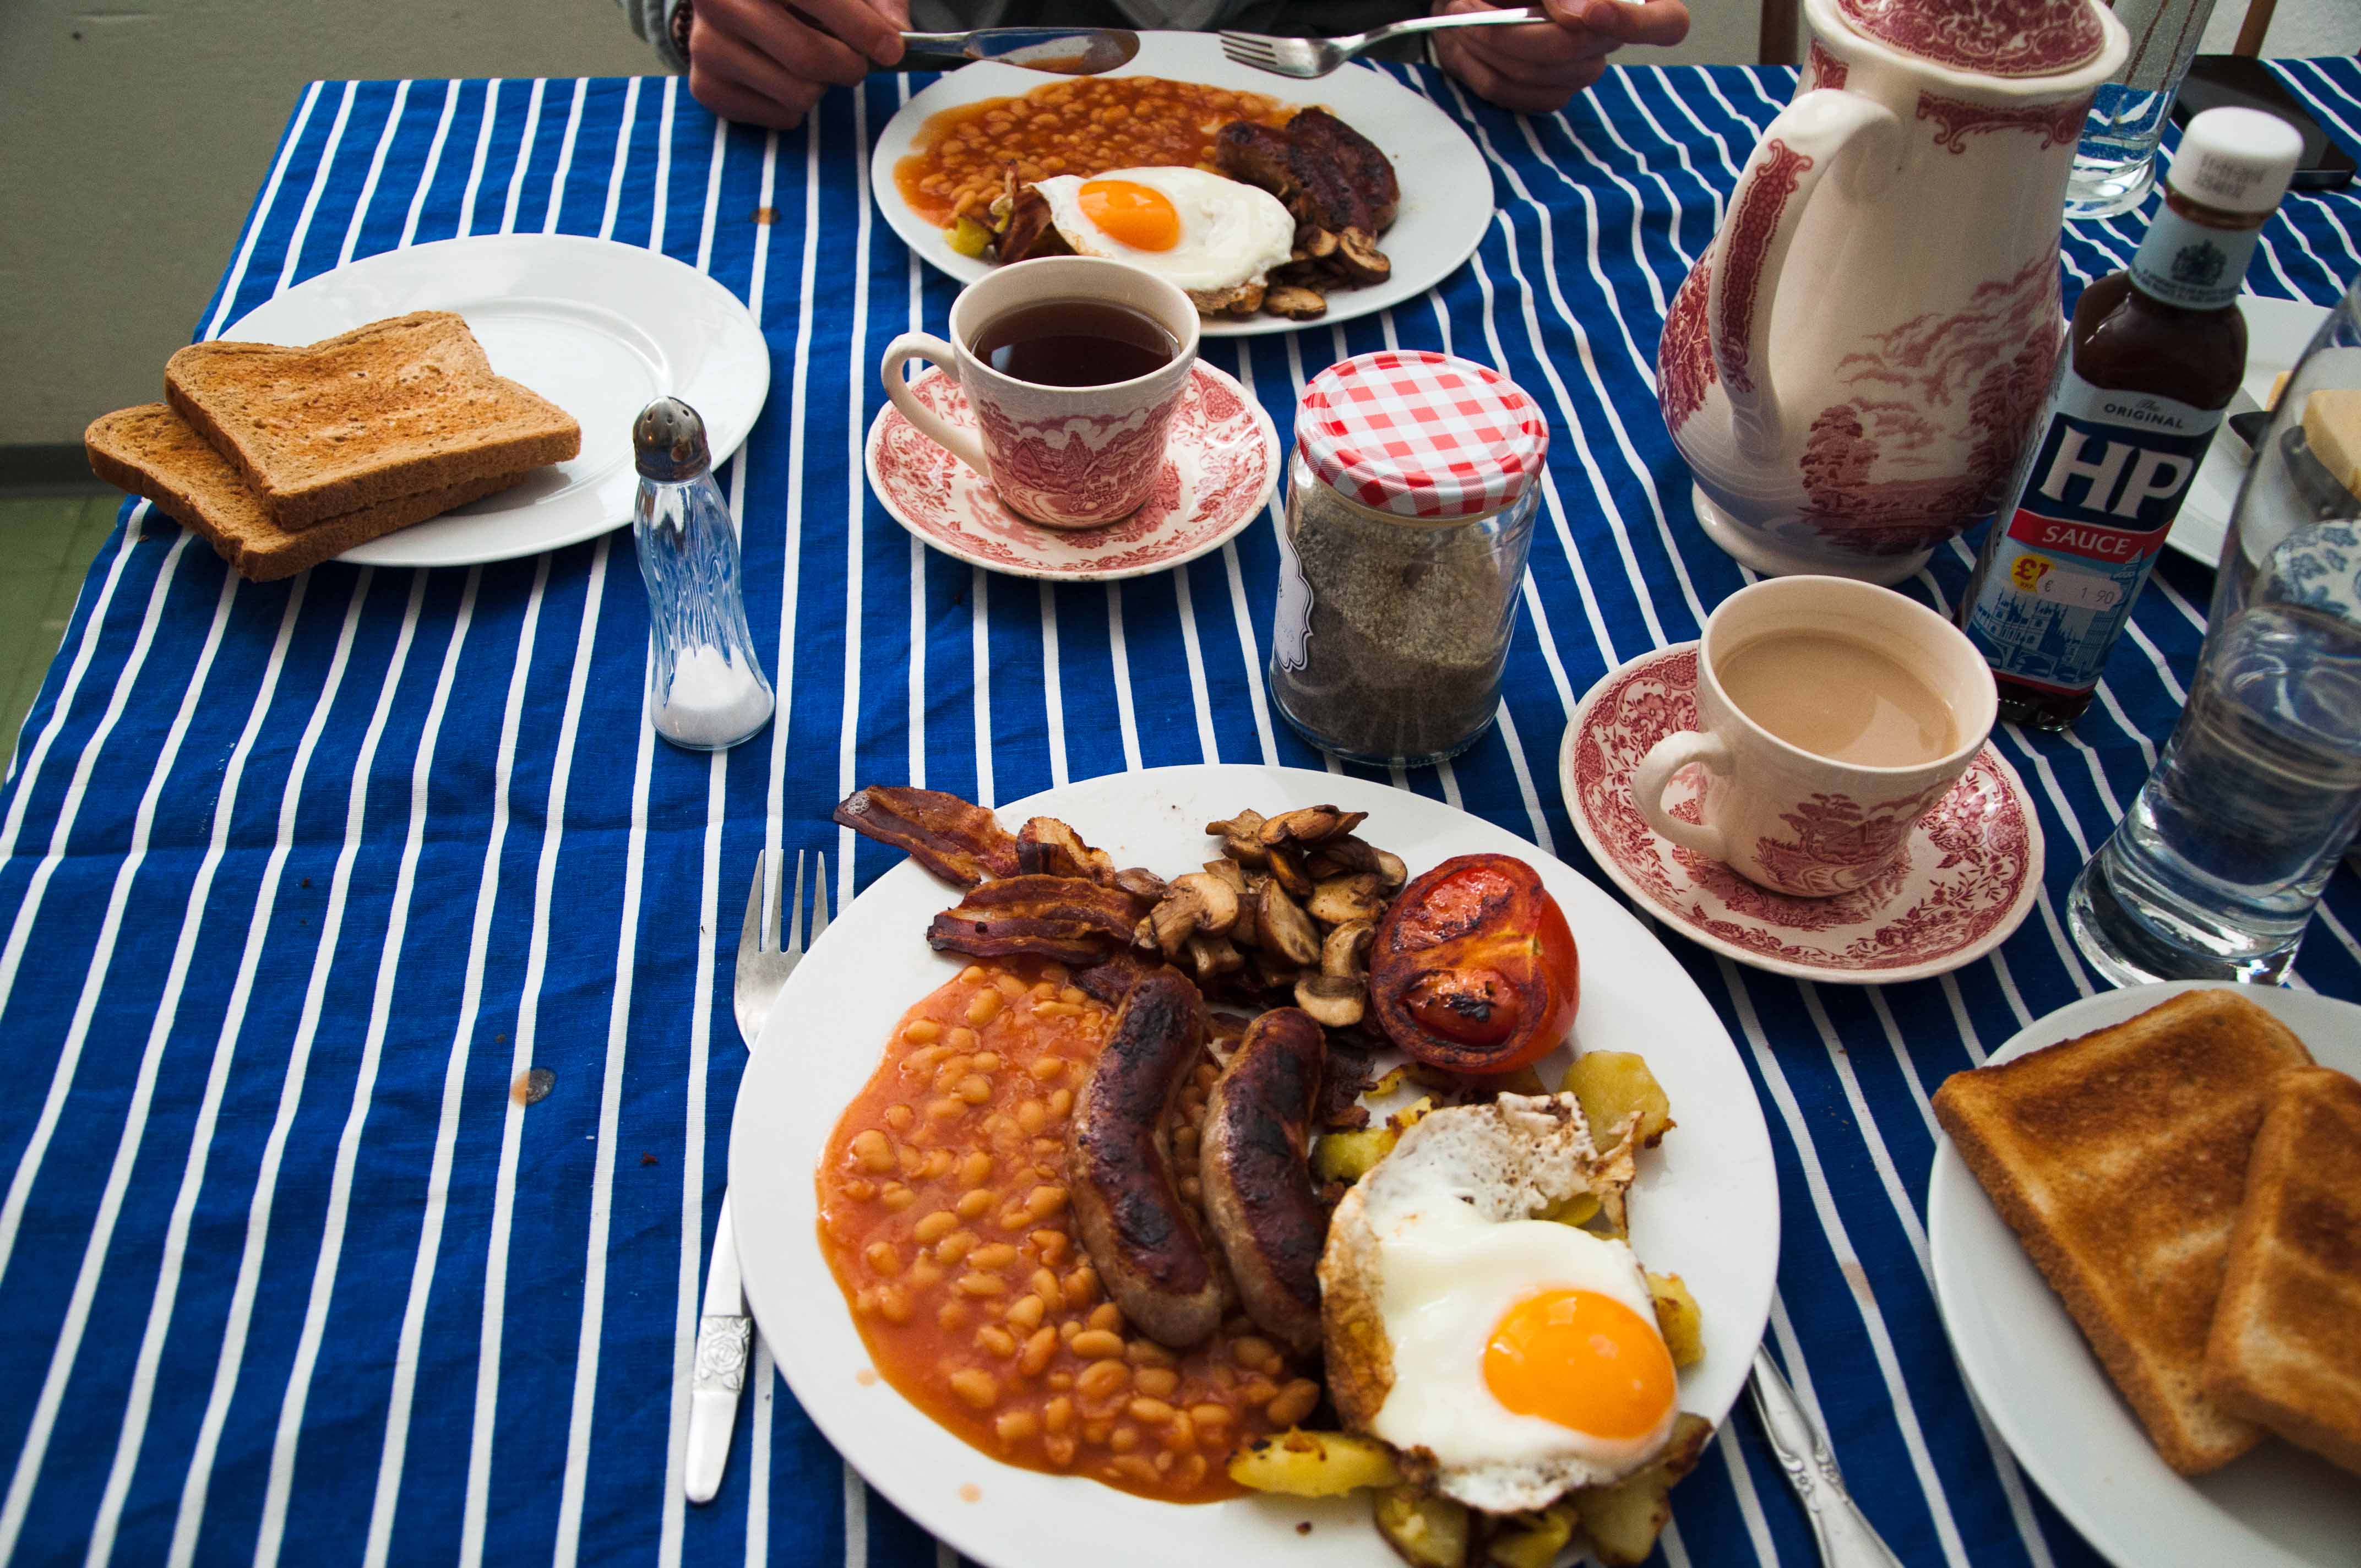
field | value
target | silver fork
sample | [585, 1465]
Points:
[724, 1332]
[1318, 57]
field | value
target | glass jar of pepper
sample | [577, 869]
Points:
[1410, 514]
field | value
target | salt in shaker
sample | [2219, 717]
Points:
[706, 687]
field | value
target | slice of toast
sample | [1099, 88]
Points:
[2285, 1346]
[2119, 1160]
[152, 452]
[400, 406]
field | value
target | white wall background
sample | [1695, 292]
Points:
[135, 133]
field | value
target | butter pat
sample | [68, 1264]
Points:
[2332, 427]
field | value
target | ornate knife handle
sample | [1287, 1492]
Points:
[1846, 1538]
[721, 1345]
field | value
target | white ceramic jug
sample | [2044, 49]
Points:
[1851, 367]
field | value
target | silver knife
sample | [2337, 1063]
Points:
[1847, 1540]
[1065, 51]
[724, 1336]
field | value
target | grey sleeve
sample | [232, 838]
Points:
[652, 19]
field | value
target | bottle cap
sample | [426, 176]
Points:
[668, 441]
[2236, 160]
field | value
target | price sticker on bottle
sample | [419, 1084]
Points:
[2078, 590]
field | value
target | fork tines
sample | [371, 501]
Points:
[1254, 51]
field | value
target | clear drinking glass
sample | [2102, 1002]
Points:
[2114, 165]
[2215, 870]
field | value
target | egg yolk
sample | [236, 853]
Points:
[1139, 216]
[1582, 1360]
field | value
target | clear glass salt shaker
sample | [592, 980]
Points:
[706, 687]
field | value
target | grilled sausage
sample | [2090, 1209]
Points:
[1139, 1234]
[1258, 1191]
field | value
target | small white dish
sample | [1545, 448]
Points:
[599, 329]
[1706, 1205]
[2033, 1371]
[1972, 871]
[1446, 190]
[2277, 332]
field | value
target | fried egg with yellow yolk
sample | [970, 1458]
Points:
[1519, 1357]
[1198, 230]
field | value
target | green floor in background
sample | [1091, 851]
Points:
[46, 546]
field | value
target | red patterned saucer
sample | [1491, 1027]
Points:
[1219, 468]
[1972, 870]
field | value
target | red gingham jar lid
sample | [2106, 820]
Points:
[1421, 435]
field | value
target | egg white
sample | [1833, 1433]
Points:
[1449, 1276]
[1231, 234]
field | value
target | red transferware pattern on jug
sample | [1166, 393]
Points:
[1850, 425]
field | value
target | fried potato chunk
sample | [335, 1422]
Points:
[1532, 1541]
[1426, 1530]
[1348, 1156]
[1624, 1520]
[1611, 1085]
[1577, 1211]
[1314, 1464]
[1678, 1319]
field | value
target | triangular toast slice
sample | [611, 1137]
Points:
[2285, 1346]
[152, 452]
[2119, 1158]
[398, 406]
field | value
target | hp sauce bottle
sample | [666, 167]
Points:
[2154, 355]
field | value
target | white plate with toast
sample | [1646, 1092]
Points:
[1446, 189]
[599, 329]
[2034, 1373]
[1704, 1206]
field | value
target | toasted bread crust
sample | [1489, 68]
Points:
[2119, 1160]
[152, 452]
[2284, 1349]
[388, 411]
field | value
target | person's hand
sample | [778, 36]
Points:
[760, 62]
[1537, 70]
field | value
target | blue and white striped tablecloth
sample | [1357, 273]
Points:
[299, 878]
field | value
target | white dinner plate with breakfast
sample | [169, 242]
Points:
[599, 329]
[1970, 871]
[1215, 222]
[825, 1152]
[2277, 332]
[2276, 1506]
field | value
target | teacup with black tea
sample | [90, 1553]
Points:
[1074, 343]
[1072, 367]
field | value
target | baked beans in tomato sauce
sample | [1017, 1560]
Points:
[1086, 126]
[944, 1217]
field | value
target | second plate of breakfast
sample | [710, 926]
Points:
[1196, 168]
[597, 328]
[1248, 1160]
[1971, 871]
[1218, 469]
[2192, 1183]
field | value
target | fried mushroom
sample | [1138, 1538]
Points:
[1285, 930]
[1296, 303]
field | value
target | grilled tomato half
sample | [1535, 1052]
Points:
[1473, 969]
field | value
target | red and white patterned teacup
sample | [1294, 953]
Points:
[1786, 817]
[1066, 456]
